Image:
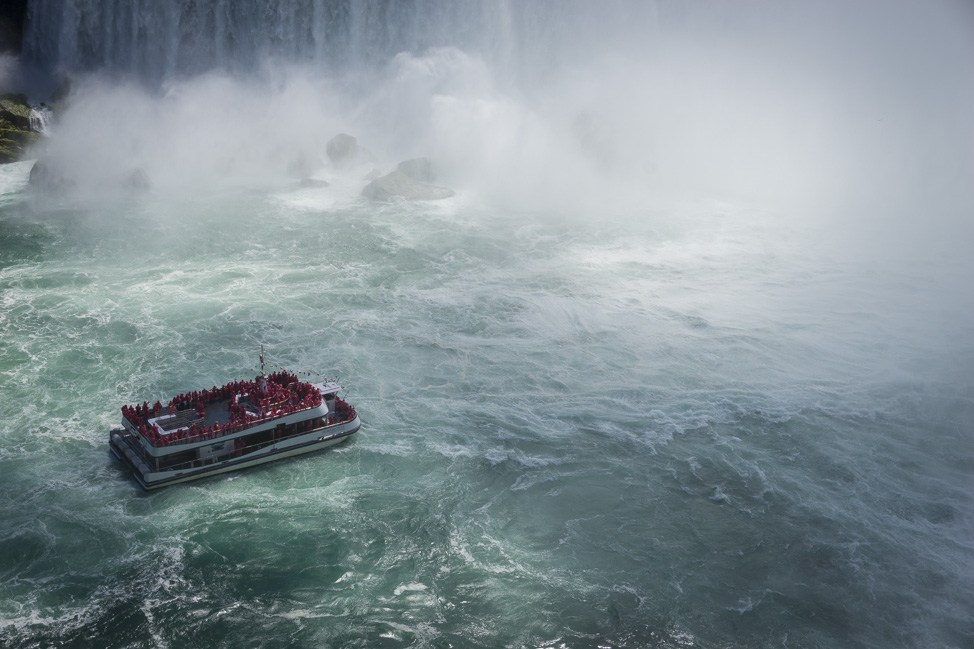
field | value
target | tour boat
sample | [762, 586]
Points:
[238, 425]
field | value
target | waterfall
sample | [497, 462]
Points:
[40, 119]
[159, 39]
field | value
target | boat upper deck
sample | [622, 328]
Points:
[215, 412]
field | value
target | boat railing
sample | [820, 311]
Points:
[285, 395]
[183, 436]
[239, 451]
[344, 412]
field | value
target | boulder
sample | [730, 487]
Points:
[398, 185]
[343, 150]
[420, 169]
[48, 178]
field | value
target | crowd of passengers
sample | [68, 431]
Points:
[280, 394]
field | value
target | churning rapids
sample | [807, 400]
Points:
[686, 361]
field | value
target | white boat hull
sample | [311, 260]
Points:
[297, 445]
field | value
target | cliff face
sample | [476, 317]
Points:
[13, 13]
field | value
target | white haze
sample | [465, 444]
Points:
[851, 115]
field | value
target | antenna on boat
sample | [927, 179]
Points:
[262, 379]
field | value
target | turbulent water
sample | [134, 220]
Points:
[573, 435]
[688, 360]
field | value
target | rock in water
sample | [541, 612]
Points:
[420, 169]
[399, 185]
[342, 150]
[39, 174]
[46, 177]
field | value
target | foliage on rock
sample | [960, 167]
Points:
[15, 133]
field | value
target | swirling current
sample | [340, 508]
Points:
[688, 433]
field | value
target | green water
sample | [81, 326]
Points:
[679, 430]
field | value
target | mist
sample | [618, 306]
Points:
[837, 135]
[855, 114]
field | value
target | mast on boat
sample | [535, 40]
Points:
[262, 379]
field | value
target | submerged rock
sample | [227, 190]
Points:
[312, 183]
[398, 185]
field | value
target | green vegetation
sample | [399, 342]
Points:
[15, 133]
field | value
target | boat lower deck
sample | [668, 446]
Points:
[223, 457]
